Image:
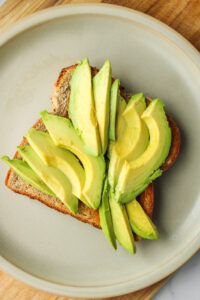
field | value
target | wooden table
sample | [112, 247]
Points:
[183, 16]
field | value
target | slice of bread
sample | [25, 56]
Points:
[60, 101]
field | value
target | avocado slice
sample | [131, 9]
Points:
[141, 224]
[120, 108]
[82, 109]
[135, 176]
[27, 174]
[114, 96]
[52, 177]
[63, 134]
[101, 90]
[132, 137]
[121, 225]
[131, 128]
[106, 218]
[60, 158]
[121, 105]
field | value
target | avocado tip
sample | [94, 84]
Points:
[5, 158]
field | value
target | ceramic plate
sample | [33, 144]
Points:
[53, 251]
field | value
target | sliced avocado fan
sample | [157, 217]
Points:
[106, 154]
[60, 158]
[132, 137]
[64, 135]
[136, 175]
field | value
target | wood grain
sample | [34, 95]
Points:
[12, 289]
[13, 10]
[182, 15]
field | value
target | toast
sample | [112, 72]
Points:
[60, 101]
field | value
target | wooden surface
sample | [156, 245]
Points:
[182, 15]
[12, 289]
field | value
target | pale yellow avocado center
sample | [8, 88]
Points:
[140, 222]
[132, 137]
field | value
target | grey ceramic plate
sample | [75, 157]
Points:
[55, 252]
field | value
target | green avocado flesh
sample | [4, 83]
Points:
[114, 95]
[52, 177]
[121, 105]
[132, 137]
[60, 158]
[141, 224]
[121, 225]
[64, 135]
[120, 108]
[101, 90]
[136, 175]
[106, 218]
[82, 109]
[27, 174]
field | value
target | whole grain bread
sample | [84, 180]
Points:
[60, 101]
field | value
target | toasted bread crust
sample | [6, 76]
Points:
[175, 145]
[84, 214]
[146, 200]
[60, 107]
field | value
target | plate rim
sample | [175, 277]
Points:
[47, 15]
